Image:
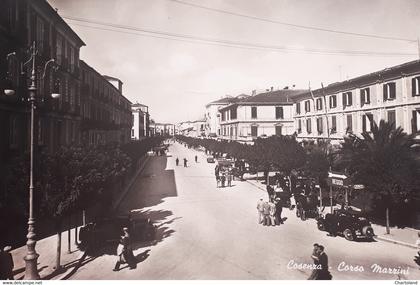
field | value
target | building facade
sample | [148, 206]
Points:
[392, 94]
[262, 115]
[106, 113]
[141, 121]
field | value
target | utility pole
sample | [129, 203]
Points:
[418, 46]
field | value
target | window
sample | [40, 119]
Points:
[298, 108]
[367, 122]
[307, 106]
[333, 101]
[347, 99]
[349, 123]
[59, 49]
[254, 131]
[223, 116]
[415, 86]
[389, 91]
[333, 124]
[319, 126]
[233, 114]
[319, 104]
[365, 96]
[279, 113]
[391, 118]
[253, 112]
[72, 59]
[415, 121]
[308, 126]
[278, 130]
[40, 34]
[299, 126]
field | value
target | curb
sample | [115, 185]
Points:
[395, 242]
[130, 184]
[257, 186]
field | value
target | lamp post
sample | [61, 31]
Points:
[31, 258]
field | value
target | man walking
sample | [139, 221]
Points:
[260, 209]
[323, 273]
[315, 258]
[177, 161]
[125, 252]
[185, 162]
[196, 159]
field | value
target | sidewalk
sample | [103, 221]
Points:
[405, 237]
[47, 249]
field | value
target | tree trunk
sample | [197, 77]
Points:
[84, 217]
[58, 256]
[387, 221]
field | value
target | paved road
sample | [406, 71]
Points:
[210, 233]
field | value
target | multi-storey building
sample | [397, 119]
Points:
[106, 113]
[212, 115]
[392, 94]
[23, 23]
[265, 114]
[141, 121]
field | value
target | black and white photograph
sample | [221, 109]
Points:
[209, 140]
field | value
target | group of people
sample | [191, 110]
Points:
[224, 176]
[269, 212]
[320, 258]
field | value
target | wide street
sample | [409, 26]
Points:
[210, 233]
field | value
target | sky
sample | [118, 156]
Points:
[177, 78]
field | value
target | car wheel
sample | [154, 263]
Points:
[368, 232]
[348, 234]
[321, 226]
[297, 213]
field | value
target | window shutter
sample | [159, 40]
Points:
[392, 90]
[362, 97]
[344, 99]
[385, 92]
[414, 126]
[364, 123]
[350, 98]
[413, 87]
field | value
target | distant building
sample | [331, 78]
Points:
[162, 129]
[262, 115]
[392, 94]
[212, 116]
[141, 121]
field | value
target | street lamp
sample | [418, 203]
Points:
[31, 258]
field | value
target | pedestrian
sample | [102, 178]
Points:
[229, 177]
[260, 209]
[177, 161]
[323, 273]
[266, 212]
[6, 264]
[272, 208]
[125, 252]
[316, 266]
[217, 179]
[216, 169]
[270, 192]
[196, 159]
[185, 162]
[223, 178]
[279, 209]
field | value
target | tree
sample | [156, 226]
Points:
[384, 161]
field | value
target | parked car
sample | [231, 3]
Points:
[109, 230]
[348, 223]
[306, 206]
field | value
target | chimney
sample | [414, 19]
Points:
[271, 88]
[254, 92]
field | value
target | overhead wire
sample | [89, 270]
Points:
[291, 24]
[219, 42]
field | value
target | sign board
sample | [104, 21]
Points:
[337, 179]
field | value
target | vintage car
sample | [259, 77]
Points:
[284, 198]
[348, 223]
[109, 230]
